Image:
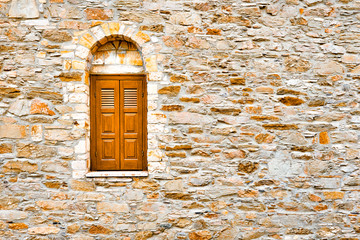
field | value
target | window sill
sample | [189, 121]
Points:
[118, 174]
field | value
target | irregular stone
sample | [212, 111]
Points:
[51, 205]
[174, 186]
[43, 230]
[295, 64]
[14, 166]
[328, 68]
[6, 148]
[23, 9]
[57, 36]
[148, 184]
[291, 101]
[248, 166]
[28, 150]
[188, 118]
[18, 226]
[13, 131]
[55, 166]
[82, 186]
[343, 137]
[98, 229]
[12, 215]
[264, 138]
[171, 90]
[200, 235]
[57, 135]
[186, 19]
[20, 107]
[98, 14]
[279, 126]
[324, 138]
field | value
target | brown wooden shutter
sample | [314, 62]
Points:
[118, 123]
[107, 125]
[131, 115]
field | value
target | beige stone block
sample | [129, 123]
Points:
[19, 166]
[57, 135]
[82, 52]
[51, 205]
[151, 64]
[13, 131]
[114, 28]
[106, 29]
[140, 38]
[87, 40]
[23, 9]
[85, 186]
[99, 33]
[12, 215]
[43, 230]
[78, 65]
[104, 207]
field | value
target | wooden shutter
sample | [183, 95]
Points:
[118, 123]
[107, 125]
[131, 125]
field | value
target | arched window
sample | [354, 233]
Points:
[118, 108]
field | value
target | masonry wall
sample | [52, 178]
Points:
[253, 120]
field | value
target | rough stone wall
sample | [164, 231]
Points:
[253, 120]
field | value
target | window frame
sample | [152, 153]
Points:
[117, 173]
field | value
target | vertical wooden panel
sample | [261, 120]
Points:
[131, 116]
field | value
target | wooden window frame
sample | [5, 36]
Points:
[93, 138]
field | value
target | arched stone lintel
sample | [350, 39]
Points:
[98, 35]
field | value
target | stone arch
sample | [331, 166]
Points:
[79, 62]
[88, 43]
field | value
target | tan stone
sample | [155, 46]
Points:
[143, 235]
[18, 226]
[330, 67]
[98, 13]
[28, 150]
[334, 195]
[77, 185]
[19, 166]
[324, 138]
[98, 229]
[200, 235]
[6, 148]
[23, 9]
[51, 205]
[105, 207]
[13, 131]
[248, 167]
[291, 101]
[12, 215]
[171, 90]
[278, 126]
[148, 184]
[264, 138]
[57, 135]
[295, 64]
[173, 42]
[55, 166]
[266, 90]
[43, 230]
[57, 36]
[73, 228]
[234, 154]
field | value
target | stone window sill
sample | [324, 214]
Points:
[118, 174]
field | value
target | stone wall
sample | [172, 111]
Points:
[253, 120]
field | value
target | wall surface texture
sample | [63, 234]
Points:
[253, 119]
